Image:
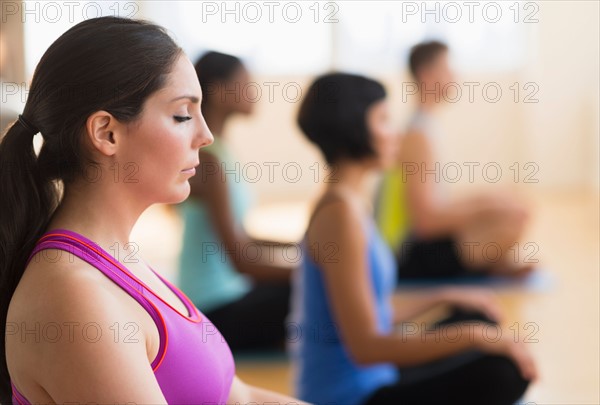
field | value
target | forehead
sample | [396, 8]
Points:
[182, 79]
[441, 58]
[379, 106]
[240, 71]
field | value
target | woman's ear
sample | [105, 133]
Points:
[101, 128]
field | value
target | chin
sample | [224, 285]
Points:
[247, 110]
[385, 164]
[180, 196]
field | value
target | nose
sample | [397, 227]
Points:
[203, 135]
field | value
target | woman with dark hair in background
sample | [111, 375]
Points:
[345, 346]
[248, 300]
[118, 105]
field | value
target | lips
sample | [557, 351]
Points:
[190, 169]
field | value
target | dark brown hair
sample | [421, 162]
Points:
[214, 69]
[423, 54]
[334, 112]
[108, 63]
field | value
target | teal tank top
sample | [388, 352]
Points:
[324, 372]
[206, 273]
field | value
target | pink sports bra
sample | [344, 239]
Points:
[194, 364]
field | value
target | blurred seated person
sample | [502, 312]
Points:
[355, 340]
[433, 236]
[247, 299]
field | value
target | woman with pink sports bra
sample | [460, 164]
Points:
[86, 319]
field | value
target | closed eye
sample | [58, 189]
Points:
[181, 119]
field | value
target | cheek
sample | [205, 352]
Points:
[247, 97]
[161, 153]
[380, 142]
[245, 106]
[448, 79]
[249, 93]
[388, 146]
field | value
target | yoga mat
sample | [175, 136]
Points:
[261, 356]
[538, 280]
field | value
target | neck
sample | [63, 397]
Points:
[91, 209]
[350, 176]
[428, 102]
[429, 99]
[215, 119]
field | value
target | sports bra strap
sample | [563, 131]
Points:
[73, 245]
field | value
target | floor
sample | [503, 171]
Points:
[561, 321]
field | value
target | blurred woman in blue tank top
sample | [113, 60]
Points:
[245, 298]
[344, 344]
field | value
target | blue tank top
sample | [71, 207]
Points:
[206, 273]
[324, 372]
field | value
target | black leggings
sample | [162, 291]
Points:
[257, 320]
[432, 259]
[468, 378]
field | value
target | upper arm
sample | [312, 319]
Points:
[210, 186]
[94, 360]
[340, 249]
[416, 157]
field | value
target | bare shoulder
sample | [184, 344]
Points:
[56, 280]
[61, 292]
[70, 316]
[335, 222]
[414, 149]
[414, 139]
[332, 211]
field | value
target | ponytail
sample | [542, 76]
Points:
[27, 202]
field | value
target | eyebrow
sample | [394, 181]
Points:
[193, 99]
